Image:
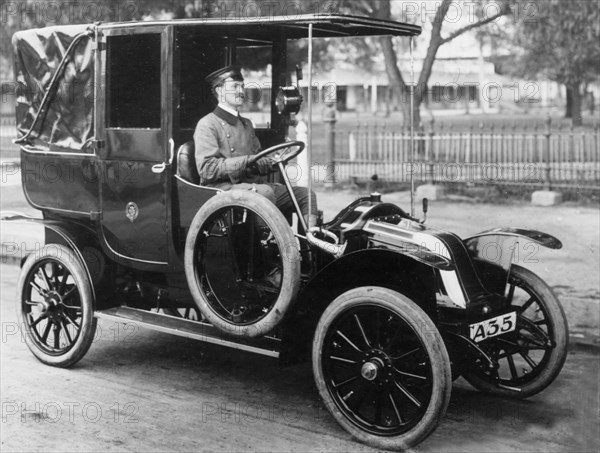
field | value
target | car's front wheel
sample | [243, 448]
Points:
[381, 367]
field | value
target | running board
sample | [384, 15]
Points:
[268, 346]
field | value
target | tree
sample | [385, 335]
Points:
[437, 38]
[563, 44]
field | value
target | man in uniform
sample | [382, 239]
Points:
[226, 143]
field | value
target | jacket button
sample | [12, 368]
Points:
[228, 135]
[232, 149]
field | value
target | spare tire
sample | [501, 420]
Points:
[242, 263]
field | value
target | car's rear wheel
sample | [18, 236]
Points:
[381, 367]
[55, 306]
[242, 263]
[531, 357]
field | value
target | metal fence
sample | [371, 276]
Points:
[539, 156]
[8, 131]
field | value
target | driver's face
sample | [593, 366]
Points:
[231, 93]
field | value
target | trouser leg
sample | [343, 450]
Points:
[284, 202]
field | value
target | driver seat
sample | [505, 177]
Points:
[186, 163]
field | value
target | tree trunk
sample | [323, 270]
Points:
[416, 113]
[569, 104]
[576, 104]
[396, 82]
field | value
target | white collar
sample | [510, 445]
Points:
[228, 109]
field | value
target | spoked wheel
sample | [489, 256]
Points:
[531, 357]
[381, 367]
[242, 263]
[190, 313]
[55, 306]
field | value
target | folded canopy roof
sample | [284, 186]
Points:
[294, 27]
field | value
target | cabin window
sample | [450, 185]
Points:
[133, 81]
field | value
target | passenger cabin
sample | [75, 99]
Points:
[100, 141]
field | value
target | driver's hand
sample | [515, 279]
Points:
[264, 165]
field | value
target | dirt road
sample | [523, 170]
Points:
[146, 391]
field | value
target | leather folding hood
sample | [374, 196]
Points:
[67, 120]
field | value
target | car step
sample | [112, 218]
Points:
[197, 330]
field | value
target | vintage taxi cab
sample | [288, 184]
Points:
[388, 310]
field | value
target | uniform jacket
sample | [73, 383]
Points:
[224, 144]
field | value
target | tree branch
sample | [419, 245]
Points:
[480, 23]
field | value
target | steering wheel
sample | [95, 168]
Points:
[293, 149]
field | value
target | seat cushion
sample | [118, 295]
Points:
[186, 163]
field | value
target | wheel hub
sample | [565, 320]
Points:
[371, 369]
[51, 304]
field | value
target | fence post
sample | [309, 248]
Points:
[547, 181]
[330, 118]
[429, 152]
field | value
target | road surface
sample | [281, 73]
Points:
[147, 391]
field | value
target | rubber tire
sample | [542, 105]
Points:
[440, 362]
[291, 261]
[557, 320]
[67, 258]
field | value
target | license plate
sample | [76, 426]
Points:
[493, 327]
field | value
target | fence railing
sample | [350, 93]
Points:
[548, 157]
[8, 131]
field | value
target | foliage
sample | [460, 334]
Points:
[562, 43]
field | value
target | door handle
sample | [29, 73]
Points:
[159, 168]
[171, 150]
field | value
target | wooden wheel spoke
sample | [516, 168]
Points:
[344, 382]
[356, 348]
[396, 411]
[66, 331]
[528, 359]
[342, 359]
[33, 323]
[415, 376]
[406, 354]
[46, 278]
[525, 306]
[409, 395]
[362, 331]
[46, 332]
[63, 282]
[56, 331]
[38, 288]
[71, 321]
[69, 293]
[511, 365]
[531, 328]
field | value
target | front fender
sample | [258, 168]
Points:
[538, 237]
[492, 252]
